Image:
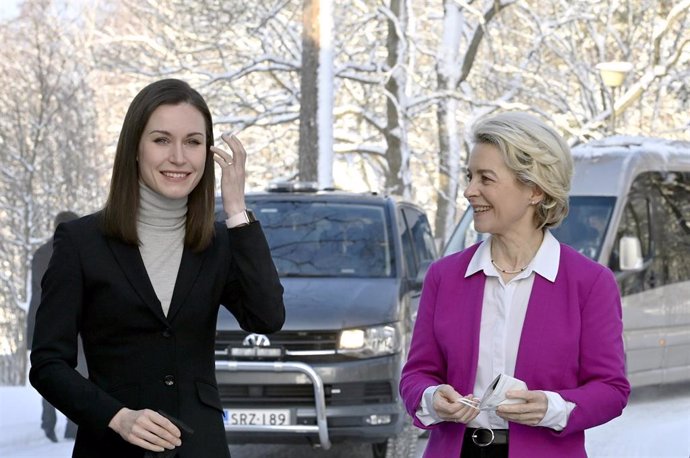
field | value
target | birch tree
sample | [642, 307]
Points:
[48, 150]
[563, 83]
[395, 88]
[541, 56]
[244, 61]
[316, 94]
[326, 94]
[463, 31]
[264, 90]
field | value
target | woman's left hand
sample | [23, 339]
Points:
[530, 412]
[233, 173]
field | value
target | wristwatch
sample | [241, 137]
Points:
[240, 219]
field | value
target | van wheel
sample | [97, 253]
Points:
[378, 449]
[404, 445]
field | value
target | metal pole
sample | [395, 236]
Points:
[613, 111]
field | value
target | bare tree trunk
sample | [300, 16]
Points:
[397, 154]
[448, 165]
[458, 50]
[326, 95]
[448, 74]
[308, 125]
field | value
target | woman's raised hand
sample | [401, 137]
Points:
[232, 167]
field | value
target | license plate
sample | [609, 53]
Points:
[255, 352]
[256, 417]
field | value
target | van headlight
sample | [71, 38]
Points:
[369, 342]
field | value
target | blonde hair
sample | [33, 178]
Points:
[537, 155]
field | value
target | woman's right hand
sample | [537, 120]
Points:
[449, 407]
[146, 429]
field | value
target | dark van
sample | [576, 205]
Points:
[352, 267]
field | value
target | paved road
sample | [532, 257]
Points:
[343, 450]
[301, 451]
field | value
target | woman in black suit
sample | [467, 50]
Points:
[142, 281]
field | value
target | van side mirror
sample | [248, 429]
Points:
[630, 250]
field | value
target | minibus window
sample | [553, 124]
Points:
[583, 229]
[585, 226]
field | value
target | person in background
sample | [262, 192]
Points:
[39, 264]
[142, 282]
[518, 304]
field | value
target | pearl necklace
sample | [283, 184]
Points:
[510, 271]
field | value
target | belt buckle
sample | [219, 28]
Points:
[482, 441]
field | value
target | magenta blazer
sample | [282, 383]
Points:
[571, 344]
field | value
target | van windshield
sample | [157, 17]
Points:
[585, 226]
[583, 229]
[326, 239]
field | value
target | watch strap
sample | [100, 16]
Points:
[240, 219]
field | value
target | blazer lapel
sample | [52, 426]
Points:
[474, 298]
[129, 259]
[531, 340]
[190, 267]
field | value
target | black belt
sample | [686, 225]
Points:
[482, 437]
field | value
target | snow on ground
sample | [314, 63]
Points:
[656, 424]
[20, 426]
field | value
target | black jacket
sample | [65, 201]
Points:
[137, 357]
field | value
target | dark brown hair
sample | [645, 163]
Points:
[118, 218]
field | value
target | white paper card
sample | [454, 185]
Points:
[495, 394]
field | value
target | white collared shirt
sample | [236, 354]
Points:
[503, 314]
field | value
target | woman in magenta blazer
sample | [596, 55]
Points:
[519, 304]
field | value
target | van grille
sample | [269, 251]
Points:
[294, 395]
[292, 343]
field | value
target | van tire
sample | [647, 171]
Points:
[379, 449]
[404, 445]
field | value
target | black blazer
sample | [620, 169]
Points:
[137, 357]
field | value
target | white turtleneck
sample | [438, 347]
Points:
[161, 230]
